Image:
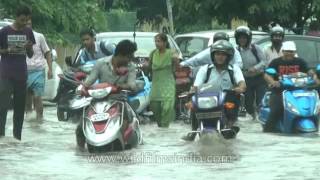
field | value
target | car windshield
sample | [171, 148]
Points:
[145, 43]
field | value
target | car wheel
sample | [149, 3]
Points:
[62, 114]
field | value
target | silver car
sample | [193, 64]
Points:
[192, 43]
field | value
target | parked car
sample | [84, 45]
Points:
[144, 40]
[145, 43]
[192, 43]
[308, 47]
[51, 85]
[5, 22]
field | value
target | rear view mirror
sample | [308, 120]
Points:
[68, 60]
[318, 70]
[271, 71]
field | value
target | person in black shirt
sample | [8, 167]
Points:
[16, 43]
[286, 64]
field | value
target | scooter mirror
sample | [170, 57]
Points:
[318, 68]
[271, 71]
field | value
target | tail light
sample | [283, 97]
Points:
[229, 105]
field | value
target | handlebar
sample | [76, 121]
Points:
[69, 80]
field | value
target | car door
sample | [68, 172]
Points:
[190, 46]
[307, 47]
[51, 85]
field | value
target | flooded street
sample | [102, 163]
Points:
[48, 151]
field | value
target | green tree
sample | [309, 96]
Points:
[288, 13]
[60, 20]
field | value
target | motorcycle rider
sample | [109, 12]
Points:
[286, 64]
[222, 52]
[254, 63]
[204, 57]
[274, 50]
[92, 49]
[117, 70]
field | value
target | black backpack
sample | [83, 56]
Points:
[254, 52]
[230, 71]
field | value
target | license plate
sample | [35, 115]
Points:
[209, 115]
[99, 117]
[303, 94]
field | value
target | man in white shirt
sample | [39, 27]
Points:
[220, 76]
[204, 57]
[274, 50]
[36, 73]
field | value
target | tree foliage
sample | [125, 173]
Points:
[59, 20]
[288, 13]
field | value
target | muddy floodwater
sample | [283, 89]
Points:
[48, 151]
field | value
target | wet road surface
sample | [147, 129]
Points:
[48, 151]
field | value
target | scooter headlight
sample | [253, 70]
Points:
[292, 108]
[100, 93]
[207, 102]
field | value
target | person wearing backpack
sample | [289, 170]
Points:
[92, 49]
[254, 63]
[220, 74]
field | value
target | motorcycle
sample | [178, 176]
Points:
[67, 89]
[300, 102]
[213, 111]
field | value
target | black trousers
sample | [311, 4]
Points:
[276, 110]
[256, 88]
[17, 89]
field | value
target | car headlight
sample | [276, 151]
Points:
[100, 93]
[207, 102]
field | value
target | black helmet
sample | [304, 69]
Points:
[277, 30]
[220, 36]
[243, 30]
[107, 48]
[222, 46]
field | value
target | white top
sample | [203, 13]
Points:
[204, 57]
[38, 61]
[221, 80]
[271, 54]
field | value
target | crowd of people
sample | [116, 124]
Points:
[25, 53]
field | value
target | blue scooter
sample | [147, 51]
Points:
[300, 101]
